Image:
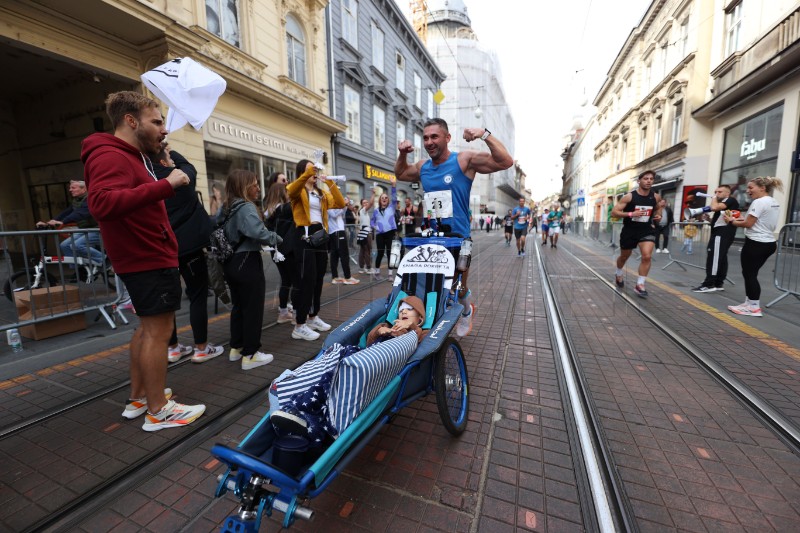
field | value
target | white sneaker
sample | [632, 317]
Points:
[464, 324]
[318, 324]
[352, 281]
[361, 271]
[285, 316]
[235, 354]
[255, 360]
[337, 281]
[658, 250]
[210, 352]
[303, 332]
[175, 354]
[137, 407]
[173, 415]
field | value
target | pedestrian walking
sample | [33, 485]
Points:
[127, 201]
[244, 227]
[339, 247]
[364, 237]
[638, 209]
[759, 239]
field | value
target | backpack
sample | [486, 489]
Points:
[221, 248]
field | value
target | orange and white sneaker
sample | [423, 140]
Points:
[181, 350]
[173, 415]
[136, 407]
[210, 352]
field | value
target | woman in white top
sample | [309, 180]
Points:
[364, 238]
[759, 243]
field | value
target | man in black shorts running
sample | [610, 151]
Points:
[638, 210]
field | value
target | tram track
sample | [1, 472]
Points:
[613, 486]
[67, 516]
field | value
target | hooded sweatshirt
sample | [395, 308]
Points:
[128, 204]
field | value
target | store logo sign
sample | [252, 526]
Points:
[751, 148]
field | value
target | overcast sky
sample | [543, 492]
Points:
[551, 54]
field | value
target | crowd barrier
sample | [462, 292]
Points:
[689, 247]
[787, 263]
[45, 283]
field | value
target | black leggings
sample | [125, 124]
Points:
[310, 266]
[194, 272]
[286, 269]
[340, 252]
[245, 276]
[754, 255]
[383, 241]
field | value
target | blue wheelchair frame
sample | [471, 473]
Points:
[252, 477]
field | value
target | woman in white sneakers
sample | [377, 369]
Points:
[244, 272]
[311, 197]
[759, 239]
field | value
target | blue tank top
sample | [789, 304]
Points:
[448, 177]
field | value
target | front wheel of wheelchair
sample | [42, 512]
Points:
[451, 383]
[21, 281]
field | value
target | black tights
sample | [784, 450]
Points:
[754, 255]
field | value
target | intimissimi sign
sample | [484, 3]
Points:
[251, 138]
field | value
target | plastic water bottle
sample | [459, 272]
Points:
[14, 340]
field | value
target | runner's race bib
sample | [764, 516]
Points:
[646, 217]
[439, 203]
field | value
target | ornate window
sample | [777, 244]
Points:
[222, 19]
[352, 114]
[733, 28]
[296, 50]
[677, 122]
[417, 91]
[401, 131]
[350, 22]
[400, 73]
[379, 129]
[377, 47]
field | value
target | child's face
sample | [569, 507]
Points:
[409, 316]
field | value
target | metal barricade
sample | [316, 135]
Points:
[787, 263]
[688, 245]
[45, 281]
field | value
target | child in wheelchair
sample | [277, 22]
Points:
[321, 410]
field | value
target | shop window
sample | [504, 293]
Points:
[295, 50]
[350, 22]
[222, 19]
[352, 114]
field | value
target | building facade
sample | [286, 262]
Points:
[473, 97]
[67, 56]
[382, 85]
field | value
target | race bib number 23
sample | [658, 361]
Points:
[439, 203]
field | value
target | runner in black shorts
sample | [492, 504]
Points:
[638, 210]
[508, 224]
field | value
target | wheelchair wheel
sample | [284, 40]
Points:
[451, 383]
[20, 281]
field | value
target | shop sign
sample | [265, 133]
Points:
[375, 173]
[415, 185]
[256, 139]
[610, 191]
[622, 188]
[751, 149]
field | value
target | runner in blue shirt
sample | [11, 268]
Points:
[522, 221]
[447, 181]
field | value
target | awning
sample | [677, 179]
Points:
[662, 184]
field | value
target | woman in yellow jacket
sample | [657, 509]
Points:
[311, 197]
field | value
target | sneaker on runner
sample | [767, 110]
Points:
[175, 354]
[318, 324]
[640, 291]
[256, 360]
[303, 332]
[235, 354]
[620, 281]
[351, 281]
[136, 407]
[285, 316]
[209, 352]
[173, 415]
[704, 288]
[464, 324]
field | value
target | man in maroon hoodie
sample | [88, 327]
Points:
[127, 201]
